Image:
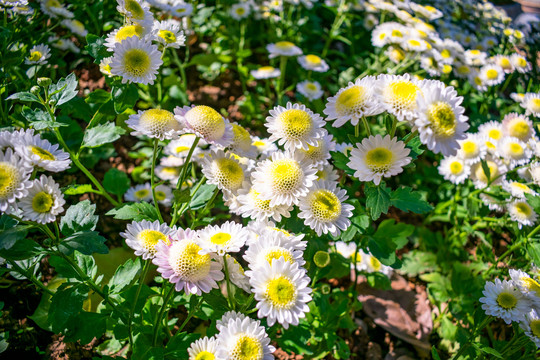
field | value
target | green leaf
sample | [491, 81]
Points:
[24, 96]
[434, 353]
[340, 161]
[101, 135]
[96, 47]
[13, 242]
[79, 217]
[135, 212]
[78, 189]
[182, 196]
[533, 249]
[377, 199]
[116, 182]
[488, 350]
[11, 235]
[98, 96]
[21, 250]
[40, 119]
[64, 90]
[124, 275]
[86, 326]
[86, 242]
[418, 262]
[407, 200]
[62, 267]
[486, 169]
[202, 196]
[416, 148]
[388, 238]
[66, 304]
[179, 343]
[534, 202]
[124, 97]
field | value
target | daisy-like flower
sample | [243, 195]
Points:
[282, 292]
[265, 72]
[353, 102]
[143, 237]
[136, 60]
[154, 123]
[514, 151]
[180, 263]
[38, 55]
[236, 272]
[371, 264]
[521, 212]
[323, 209]
[63, 44]
[283, 48]
[504, 62]
[518, 126]
[43, 202]
[429, 12]
[517, 97]
[264, 146]
[527, 285]
[475, 57]
[378, 157]
[224, 171]
[180, 147]
[135, 11]
[170, 173]
[164, 195]
[203, 349]
[310, 89]
[294, 126]
[313, 63]
[399, 94]
[496, 170]
[240, 11]
[440, 121]
[472, 149]
[169, 34]
[492, 74]
[41, 153]
[283, 178]
[126, 31]
[531, 326]
[319, 154]
[138, 193]
[273, 244]
[105, 66]
[75, 26]
[242, 143]
[503, 300]
[327, 173]
[395, 54]
[477, 81]
[243, 338]
[206, 123]
[462, 71]
[53, 8]
[492, 130]
[251, 205]
[517, 189]
[531, 103]
[14, 178]
[227, 238]
[181, 9]
[520, 63]
[415, 44]
[454, 169]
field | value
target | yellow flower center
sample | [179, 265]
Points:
[445, 53]
[313, 59]
[205, 355]
[504, 63]
[284, 45]
[295, 123]
[531, 285]
[53, 4]
[160, 195]
[240, 11]
[398, 54]
[414, 42]
[534, 105]
[519, 128]
[325, 205]
[135, 9]
[247, 348]
[42, 153]
[185, 260]
[475, 52]
[463, 69]
[397, 33]
[260, 204]
[42, 202]
[492, 74]
[521, 62]
[402, 93]
[311, 87]
[267, 69]
[281, 292]
[515, 150]
[140, 194]
[158, 121]
[456, 168]
[228, 172]
[277, 253]
[495, 134]
[523, 209]
[9, 178]
[286, 175]
[149, 239]
[442, 118]
[349, 99]
[430, 8]
[379, 159]
[535, 327]
[375, 263]
[35, 56]
[206, 121]
[469, 148]
[167, 35]
[493, 171]
[136, 62]
[128, 31]
[220, 238]
[446, 69]
[258, 143]
[506, 300]
[521, 187]
[181, 148]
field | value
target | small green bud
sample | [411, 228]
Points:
[52, 102]
[321, 259]
[325, 289]
[44, 81]
[35, 90]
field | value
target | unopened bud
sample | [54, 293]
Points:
[44, 81]
[321, 259]
[35, 90]
[325, 289]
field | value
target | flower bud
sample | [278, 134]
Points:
[321, 259]
[35, 90]
[44, 81]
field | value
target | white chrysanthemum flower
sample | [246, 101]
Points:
[105, 66]
[353, 102]
[294, 126]
[310, 89]
[399, 94]
[240, 11]
[527, 285]
[477, 81]
[283, 178]
[226, 238]
[264, 146]
[181, 9]
[313, 63]
[181, 263]
[120, 34]
[517, 189]
[224, 171]
[169, 34]
[155, 123]
[369, 263]
[143, 237]
[135, 11]
[462, 71]
[164, 195]
[75, 26]
[265, 72]
[203, 349]
[63, 44]
[53, 8]
[281, 290]
[531, 326]
[38, 55]
[504, 62]
[492, 74]
[272, 245]
[251, 205]
[472, 149]
[206, 123]
[395, 54]
[318, 155]
[243, 338]
[513, 150]
[496, 170]
[378, 157]
[41, 153]
[427, 11]
[503, 300]
[412, 43]
[236, 273]
[454, 169]
[229, 315]
[283, 48]
[520, 63]
[14, 178]
[43, 202]
[242, 144]
[327, 173]
[518, 126]
[136, 60]
[138, 193]
[531, 103]
[475, 57]
[440, 121]
[346, 250]
[517, 97]
[521, 212]
[492, 130]
[168, 173]
[180, 147]
[323, 209]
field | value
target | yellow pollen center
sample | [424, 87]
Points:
[505, 63]
[42, 153]
[456, 168]
[220, 238]
[375, 263]
[445, 53]
[506, 300]
[531, 285]
[284, 45]
[281, 292]
[135, 9]
[53, 4]
[42, 202]
[463, 69]
[523, 209]
[535, 105]
[311, 87]
[136, 62]
[187, 263]
[205, 355]
[325, 205]
[379, 159]
[35, 56]
[240, 11]
[313, 59]
[247, 348]
[167, 35]
[181, 148]
[206, 121]
[158, 120]
[519, 128]
[403, 93]
[535, 327]
[493, 171]
[521, 62]
[515, 150]
[277, 253]
[258, 143]
[263, 205]
[150, 238]
[398, 54]
[350, 99]
[295, 123]
[267, 69]
[469, 148]
[495, 134]
[414, 42]
[397, 33]
[128, 31]
[229, 173]
[9, 178]
[142, 193]
[286, 175]
[442, 118]
[492, 74]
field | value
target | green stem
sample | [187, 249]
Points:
[282, 69]
[394, 125]
[31, 277]
[190, 314]
[366, 125]
[137, 294]
[157, 324]
[152, 179]
[228, 281]
[338, 20]
[206, 207]
[465, 346]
